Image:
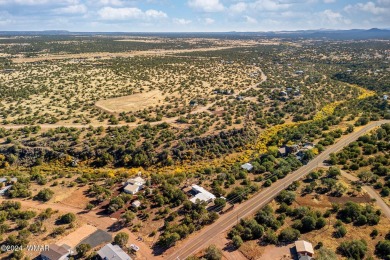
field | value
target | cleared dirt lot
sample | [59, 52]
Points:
[74, 238]
[131, 103]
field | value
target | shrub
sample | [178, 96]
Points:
[213, 253]
[67, 218]
[237, 241]
[44, 195]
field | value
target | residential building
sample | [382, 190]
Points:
[247, 166]
[283, 93]
[113, 252]
[134, 185]
[4, 190]
[56, 252]
[5, 180]
[282, 151]
[201, 194]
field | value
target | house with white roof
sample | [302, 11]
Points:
[247, 166]
[134, 185]
[5, 181]
[201, 194]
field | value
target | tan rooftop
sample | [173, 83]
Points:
[304, 246]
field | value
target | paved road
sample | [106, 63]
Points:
[372, 193]
[257, 202]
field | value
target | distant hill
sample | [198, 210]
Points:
[353, 34]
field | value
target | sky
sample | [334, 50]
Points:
[191, 15]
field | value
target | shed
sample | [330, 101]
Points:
[304, 248]
[136, 204]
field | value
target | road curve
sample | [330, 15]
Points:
[261, 199]
[372, 193]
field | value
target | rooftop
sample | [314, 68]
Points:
[131, 188]
[304, 246]
[247, 166]
[113, 252]
[4, 179]
[56, 252]
[202, 194]
[137, 180]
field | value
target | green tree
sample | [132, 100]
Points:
[333, 172]
[356, 249]
[67, 218]
[213, 253]
[308, 223]
[220, 203]
[128, 217]
[168, 239]
[382, 249]
[237, 241]
[121, 239]
[82, 250]
[287, 197]
[340, 231]
[289, 235]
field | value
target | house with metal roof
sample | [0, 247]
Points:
[113, 252]
[201, 194]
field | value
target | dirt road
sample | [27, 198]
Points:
[372, 193]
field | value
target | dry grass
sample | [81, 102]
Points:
[131, 103]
